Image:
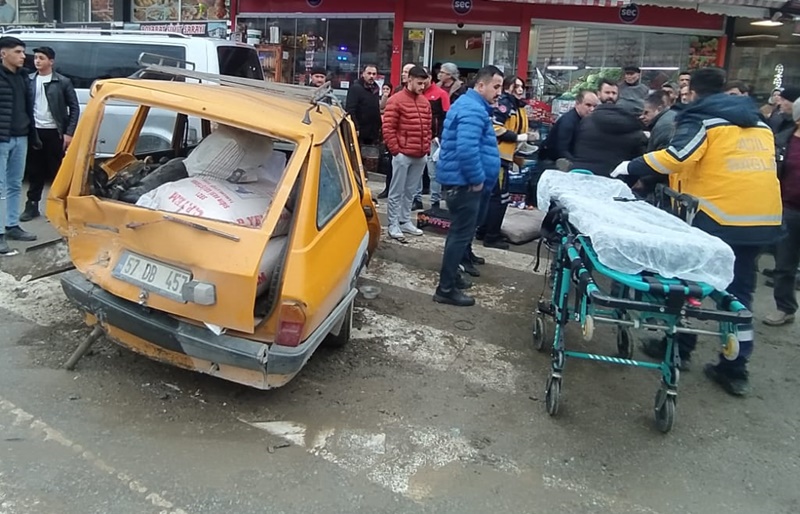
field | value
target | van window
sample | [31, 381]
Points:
[84, 61]
[239, 62]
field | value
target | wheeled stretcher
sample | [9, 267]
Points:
[618, 260]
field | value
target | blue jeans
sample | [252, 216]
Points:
[436, 188]
[12, 168]
[463, 205]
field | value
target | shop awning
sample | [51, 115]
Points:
[744, 8]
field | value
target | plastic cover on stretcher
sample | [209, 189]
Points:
[635, 236]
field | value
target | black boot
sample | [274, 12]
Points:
[454, 297]
[4, 248]
[480, 261]
[31, 211]
[469, 268]
[495, 242]
[734, 383]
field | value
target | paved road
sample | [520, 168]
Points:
[429, 409]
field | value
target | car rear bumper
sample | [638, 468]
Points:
[164, 338]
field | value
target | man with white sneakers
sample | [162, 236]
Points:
[407, 134]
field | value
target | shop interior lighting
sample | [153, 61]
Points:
[756, 36]
[560, 67]
[772, 22]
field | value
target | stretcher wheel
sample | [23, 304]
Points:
[665, 414]
[731, 348]
[588, 328]
[539, 333]
[553, 395]
[624, 343]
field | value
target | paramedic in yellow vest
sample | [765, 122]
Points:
[725, 155]
[511, 127]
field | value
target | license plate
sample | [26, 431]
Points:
[151, 275]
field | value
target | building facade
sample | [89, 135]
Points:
[553, 47]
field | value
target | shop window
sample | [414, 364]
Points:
[341, 46]
[344, 51]
[334, 181]
[75, 11]
[376, 44]
[763, 68]
[310, 48]
[565, 59]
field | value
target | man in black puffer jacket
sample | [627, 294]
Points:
[16, 125]
[612, 134]
[364, 105]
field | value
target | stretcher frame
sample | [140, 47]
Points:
[641, 301]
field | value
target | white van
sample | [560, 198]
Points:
[88, 56]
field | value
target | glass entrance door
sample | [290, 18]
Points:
[501, 49]
[418, 46]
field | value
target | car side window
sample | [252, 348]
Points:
[334, 181]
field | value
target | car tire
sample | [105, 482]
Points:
[343, 337]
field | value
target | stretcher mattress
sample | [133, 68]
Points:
[635, 236]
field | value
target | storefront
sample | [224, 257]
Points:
[765, 55]
[554, 47]
[597, 42]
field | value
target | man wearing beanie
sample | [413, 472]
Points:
[787, 253]
[725, 155]
[782, 120]
[318, 77]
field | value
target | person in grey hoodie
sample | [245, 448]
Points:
[631, 88]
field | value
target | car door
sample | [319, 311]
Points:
[348, 132]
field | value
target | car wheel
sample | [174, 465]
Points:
[343, 337]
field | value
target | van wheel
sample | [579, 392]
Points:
[343, 337]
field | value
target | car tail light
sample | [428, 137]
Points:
[291, 320]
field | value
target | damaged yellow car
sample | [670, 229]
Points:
[234, 249]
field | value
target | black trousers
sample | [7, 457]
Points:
[490, 226]
[787, 258]
[42, 165]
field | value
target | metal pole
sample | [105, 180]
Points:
[83, 348]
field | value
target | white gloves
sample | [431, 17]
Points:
[621, 169]
[522, 137]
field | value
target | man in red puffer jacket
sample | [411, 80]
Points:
[407, 133]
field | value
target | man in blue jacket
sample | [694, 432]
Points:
[469, 162]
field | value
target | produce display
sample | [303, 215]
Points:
[592, 79]
[702, 51]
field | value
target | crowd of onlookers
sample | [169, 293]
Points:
[704, 136]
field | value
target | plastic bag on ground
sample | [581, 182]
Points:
[634, 236]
